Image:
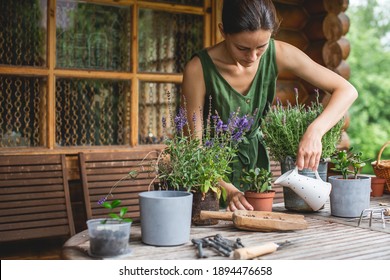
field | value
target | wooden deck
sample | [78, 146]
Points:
[327, 238]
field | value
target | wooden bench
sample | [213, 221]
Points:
[100, 171]
[34, 197]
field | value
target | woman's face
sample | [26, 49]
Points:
[247, 47]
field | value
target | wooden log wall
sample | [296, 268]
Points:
[318, 27]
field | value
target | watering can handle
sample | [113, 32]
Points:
[315, 173]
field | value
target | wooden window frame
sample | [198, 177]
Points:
[51, 73]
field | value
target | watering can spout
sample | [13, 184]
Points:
[314, 191]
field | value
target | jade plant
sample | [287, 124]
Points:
[258, 180]
[347, 162]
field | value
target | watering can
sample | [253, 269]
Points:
[314, 191]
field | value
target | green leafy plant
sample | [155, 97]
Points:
[120, 217]
[284, 126]
[347, 162]
[258, 179]
[115, 204]
[199, 165]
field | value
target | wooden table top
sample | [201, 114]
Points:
[326, 238]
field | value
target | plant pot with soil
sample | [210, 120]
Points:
[199, 165]
[350, 193]
[257, 187]
[109, 237]
[283, 128]
[377, 186]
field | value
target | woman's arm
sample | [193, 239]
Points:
[343, 94]
[193, 93]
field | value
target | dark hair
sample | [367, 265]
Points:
[249, 15]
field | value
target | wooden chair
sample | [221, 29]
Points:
[34, 197]
[101, 171]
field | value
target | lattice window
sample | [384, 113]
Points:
[92, 112]
[157, 100]
[91, 36]
[22, 107]
[79, 73]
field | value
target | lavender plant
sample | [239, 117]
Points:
[199, 165]
[283, 128]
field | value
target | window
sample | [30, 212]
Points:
[93, 73]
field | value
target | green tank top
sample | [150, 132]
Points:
[252, 152]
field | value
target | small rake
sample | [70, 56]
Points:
[371, 211]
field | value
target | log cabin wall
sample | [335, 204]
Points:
[318, 27]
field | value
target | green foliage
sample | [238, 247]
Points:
[284, 127]
[195, 165]
[370, 68]
[347, 162]
[258, 179]
[113, 205]
[120, 217]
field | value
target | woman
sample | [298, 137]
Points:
[241, 71]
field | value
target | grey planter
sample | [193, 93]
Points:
[349, 197]
[165, 217]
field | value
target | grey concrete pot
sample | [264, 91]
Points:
[165, 217]
[349, 197]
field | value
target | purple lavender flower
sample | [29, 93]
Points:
[220, 127]
[180, 120]
[164, 122]
[102, 200]
[208, 143]
[237, 136]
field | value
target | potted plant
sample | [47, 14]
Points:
[192, 167]
[350, 193]
[377, 186]
[258, 190]
[198, 166]
[283, 128]
[109, 237]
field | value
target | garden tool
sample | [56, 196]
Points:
[247, 253]
[382, 211]
[222, 245]
[259, 220]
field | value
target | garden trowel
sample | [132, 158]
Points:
[259, 220]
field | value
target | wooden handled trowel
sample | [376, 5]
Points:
[259, 220]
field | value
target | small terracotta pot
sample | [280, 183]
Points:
[260, 201]
[377, 186]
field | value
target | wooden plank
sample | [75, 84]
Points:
[33, 198]
[28, 189]
[29, 217]
[34, 233]
[34, 177]
[30, 210]
[33, 224]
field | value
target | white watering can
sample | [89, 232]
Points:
[314, 191]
